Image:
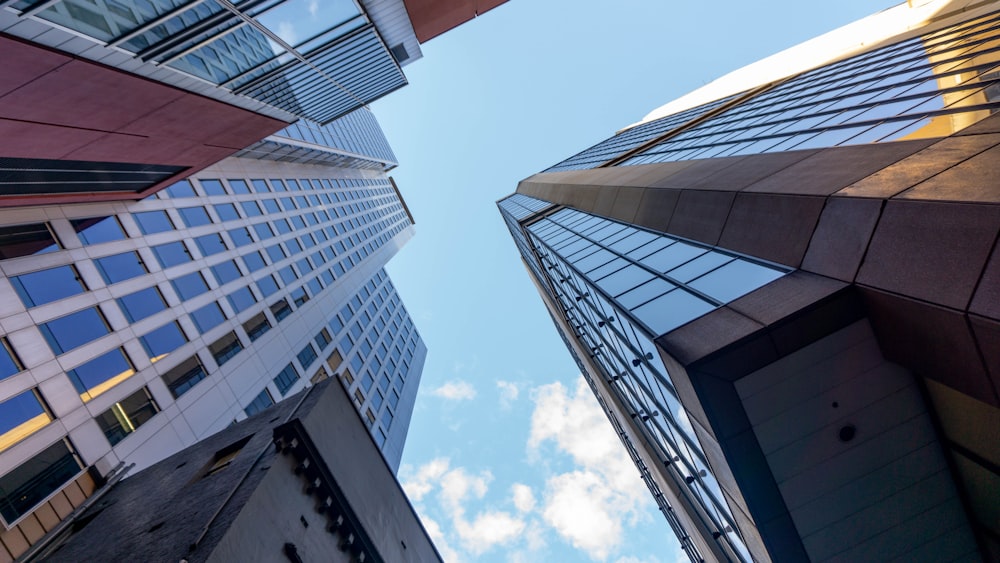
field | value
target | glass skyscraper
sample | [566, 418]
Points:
[769, 290]
[135, 329]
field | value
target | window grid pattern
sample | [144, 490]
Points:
[633, 137]
[319, 71]
[929, 86]
[605, 276]
[331, 226]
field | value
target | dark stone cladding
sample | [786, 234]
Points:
[157, 514]
[913, 225]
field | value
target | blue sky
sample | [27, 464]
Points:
[508, 457]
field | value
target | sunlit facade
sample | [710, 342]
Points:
[770, 293]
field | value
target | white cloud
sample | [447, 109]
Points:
[651, 559]
[488, 530]
[440, 541]
[508, 393]
[587, 507]
[313, 8]
[524, 499]
[455, 391]
[286, 31]
[458, 484]
[420, 482]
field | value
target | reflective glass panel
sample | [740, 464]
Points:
[242, 299]
[21, 416]
[190, 285]
[194, 216]
[163, 340]
[96, 230]
[46, 286]
[141, 304]
[74, 330]
[171, 254]
[100, 374]
[151, 222]
[120, 267]
[208, 317]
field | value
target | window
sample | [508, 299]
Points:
[120, 267]
[280, 310]
[224, 457]
[125, 416]
[186, 375]
[9, 362]
[226, 212]
[74, 330]
[225, 348]
[163, 341]
[172, 254]
[141, 304]
[151, 222]
[46, 286]
[275, 253]
[254, 261]
[36, 479]
[267, 285]
[288, 275]
[257, 326]
[293, 246]
[226, 272]
[307, 356]
[242, 299]
[251, 209]
[334, 360]
[211, 244]
[194, 216]
[304, 266]
[286, 379]
[26, 240]
[190, 285]
[96, 230]
[299, 297]
[260, 186]
[212, 187]
[181, 189]
[263, 231]
[367, 381]
[100, 374]
[208, 317]
[259, 403]
[282, 226]
[271, 206]
[323, 339]
[239, 187]
[241, 236]
[21, 416]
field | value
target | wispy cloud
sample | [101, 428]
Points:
[588, 506]
[455, 391]
[508, 393]
[524, 499]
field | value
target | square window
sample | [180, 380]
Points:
[96, 230]
[191, 285]
[208, 317]
[74, 330]
[151, 222]
[141, 304]
[194, 216]
[172, 254]
[160, 342]
[46, 286]
[120, 267]
[125, 416]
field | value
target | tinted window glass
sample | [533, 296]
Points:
[120, 267]
[239, 187]
[257, 326]
[242, 299]
[163, 340]
[171, 254]
[307, 356]
[260, 186]
[282, 226]
[275, 253]
[271, 206]
[210, 244]
[20, 416]
[194, 216]
[226, 348]
[181, 189]
[98, 229]
[26, 240]
[287, 274]
[36, 479]
[141, 304]
[226, 272]
[212, 187]
[227, 212]
[100, 374]
[153, 222]
[208, 317]
[251, 209]
[46, 286]
[267, 285]
[263, 231]
[9, 364]
[182, 378]
[125, 416]
[286, 379]
[240, 236]
[260, 402]
[190, 285]
[254, 261]
[74, 330]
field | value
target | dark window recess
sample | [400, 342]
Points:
[29, 176]
[186, 375]
[280, 310]
[34, 480]
[96, 230]
[286, 379]
[26, 240]
[257, 326]
[223, 458]
[125, 416]
[300, 297]
[259, 403]
[225, 348]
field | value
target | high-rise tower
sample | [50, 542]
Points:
[783, 290]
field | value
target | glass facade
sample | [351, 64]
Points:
[619, 287]
[315, 60]
[160, 310]
[928, 86]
